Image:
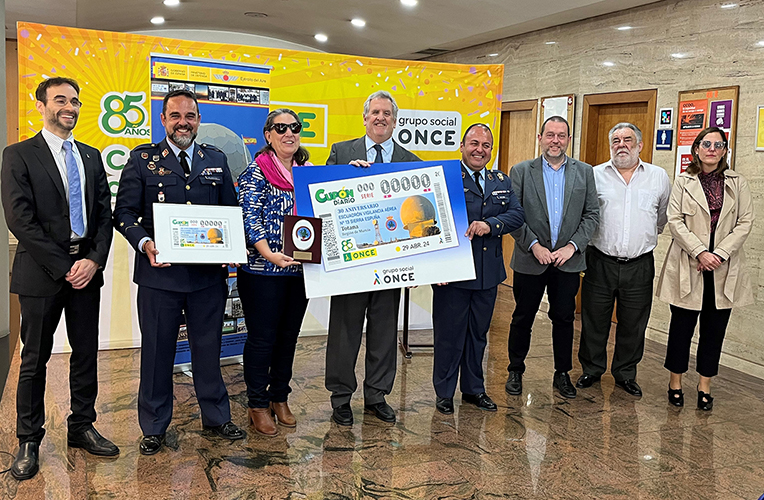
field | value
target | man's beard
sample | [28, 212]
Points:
[182, 141]
[625, 161]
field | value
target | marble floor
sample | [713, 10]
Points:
[604, 444]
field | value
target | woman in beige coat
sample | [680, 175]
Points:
[710, 215]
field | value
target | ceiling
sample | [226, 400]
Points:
[392, 30]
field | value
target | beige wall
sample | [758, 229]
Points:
[721, 47]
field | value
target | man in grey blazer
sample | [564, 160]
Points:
[561, 213]
[379, 308]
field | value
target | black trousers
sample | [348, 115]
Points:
[274, 307]
[528, 289]
[713, 326]
[39, 318]
[160, 314]
[460, 322]
[346, 317]
[628, 286]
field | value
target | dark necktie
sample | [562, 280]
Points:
[184, 163]
[477, 182]
[378, 159]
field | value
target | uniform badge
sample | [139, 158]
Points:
[201, 155]
[500, 176]
[462, 174]
[161, 197]
[162, 171]
[490, 176]
[165, 153]
[155, 158]
[151, 166]
[145, 156]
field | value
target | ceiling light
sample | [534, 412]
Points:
[624, 28]
[678, 55]
[760, 43]
[551, 43]
[157, 20]
[608, 64]
[256, 14]
[728, 6]
[321, 37]
[409, 3]
[172, 3]
[493, 55]
[358, 23]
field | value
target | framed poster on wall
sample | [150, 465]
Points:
[698, 109]
[560, 105]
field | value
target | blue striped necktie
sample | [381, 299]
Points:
[75, 190]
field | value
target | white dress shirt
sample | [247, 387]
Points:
[387, 150]
[631, 215]
[56, 146]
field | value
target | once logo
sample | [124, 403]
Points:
[123, 115]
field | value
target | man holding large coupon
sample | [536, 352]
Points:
[462, 311]
[176, 170]
[379, 308]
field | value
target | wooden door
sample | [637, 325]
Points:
[516, 143]
[603, 111]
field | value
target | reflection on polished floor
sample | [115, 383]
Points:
[602, 445]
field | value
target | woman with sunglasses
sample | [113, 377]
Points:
[271, 285]
[710, 215]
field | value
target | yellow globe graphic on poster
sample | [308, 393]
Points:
[215, 235]
[418, 216]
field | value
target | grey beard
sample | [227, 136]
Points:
[182, 141]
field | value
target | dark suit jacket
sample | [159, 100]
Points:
[579, 219]
[355, 149]
[37, 213]
[500, 209]
[142, 181]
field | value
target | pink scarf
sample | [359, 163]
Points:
[275, 172]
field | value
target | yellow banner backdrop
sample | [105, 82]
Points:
[437, 101]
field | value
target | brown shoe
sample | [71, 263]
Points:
[261, 419]
[284, 415]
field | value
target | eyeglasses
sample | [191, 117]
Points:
[61, 101]
[281, 128]
[717, 145]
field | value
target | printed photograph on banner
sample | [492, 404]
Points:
[382, 217]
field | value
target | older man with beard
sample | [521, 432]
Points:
[176, 170]
[633, 196]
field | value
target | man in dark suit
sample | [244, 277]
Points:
[380, 308]
[58, 205]
[176, 170]
[462, 311]
[561, 213]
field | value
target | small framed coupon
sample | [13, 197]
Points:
[199, 234]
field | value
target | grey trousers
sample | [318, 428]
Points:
[346, 317]
[607, 282]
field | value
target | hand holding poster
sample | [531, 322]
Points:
[386, 226]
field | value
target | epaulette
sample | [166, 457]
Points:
[148, 145]
[211, 147]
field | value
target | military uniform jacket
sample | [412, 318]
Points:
[154, 175]
[500, 209]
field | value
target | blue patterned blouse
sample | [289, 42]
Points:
[264, 206]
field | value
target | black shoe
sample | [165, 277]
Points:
[514, 384]
[481, 400]
[228, 430]
[93, 442]
[150, 445]
[705, 401]
[343, 415]
[27, 461]
[562, 383]
[586, 380]
[445, 405]
[676, 397]
[382, 411]
[630, 385]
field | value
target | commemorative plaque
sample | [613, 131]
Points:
[302, 238]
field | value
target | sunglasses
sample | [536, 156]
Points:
[281, 128]
[717, 145]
